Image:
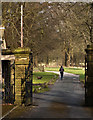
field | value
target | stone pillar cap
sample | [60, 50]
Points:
[21, 50]
[17, 51]
[89, 47]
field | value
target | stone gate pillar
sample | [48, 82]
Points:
[89, 75]
[21, 61]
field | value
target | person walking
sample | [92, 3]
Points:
[61, 71]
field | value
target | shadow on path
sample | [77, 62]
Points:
[64, 100]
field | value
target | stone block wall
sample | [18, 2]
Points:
[89, 75]
[21, 62]
[19, 85]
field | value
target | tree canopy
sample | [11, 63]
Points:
[54, 31]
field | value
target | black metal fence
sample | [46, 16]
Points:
[8, 81]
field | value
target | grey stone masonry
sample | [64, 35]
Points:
[89, 75]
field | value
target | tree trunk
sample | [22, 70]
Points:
[67, 59]
[47, 60]
[71, 58]
[35, 61]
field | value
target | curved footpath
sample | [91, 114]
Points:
[64, 100]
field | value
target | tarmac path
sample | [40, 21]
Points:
[64, 100]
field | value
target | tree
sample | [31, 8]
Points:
[49, 27]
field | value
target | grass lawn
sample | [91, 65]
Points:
[46, 77]
[78, 71]
[52, 68]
